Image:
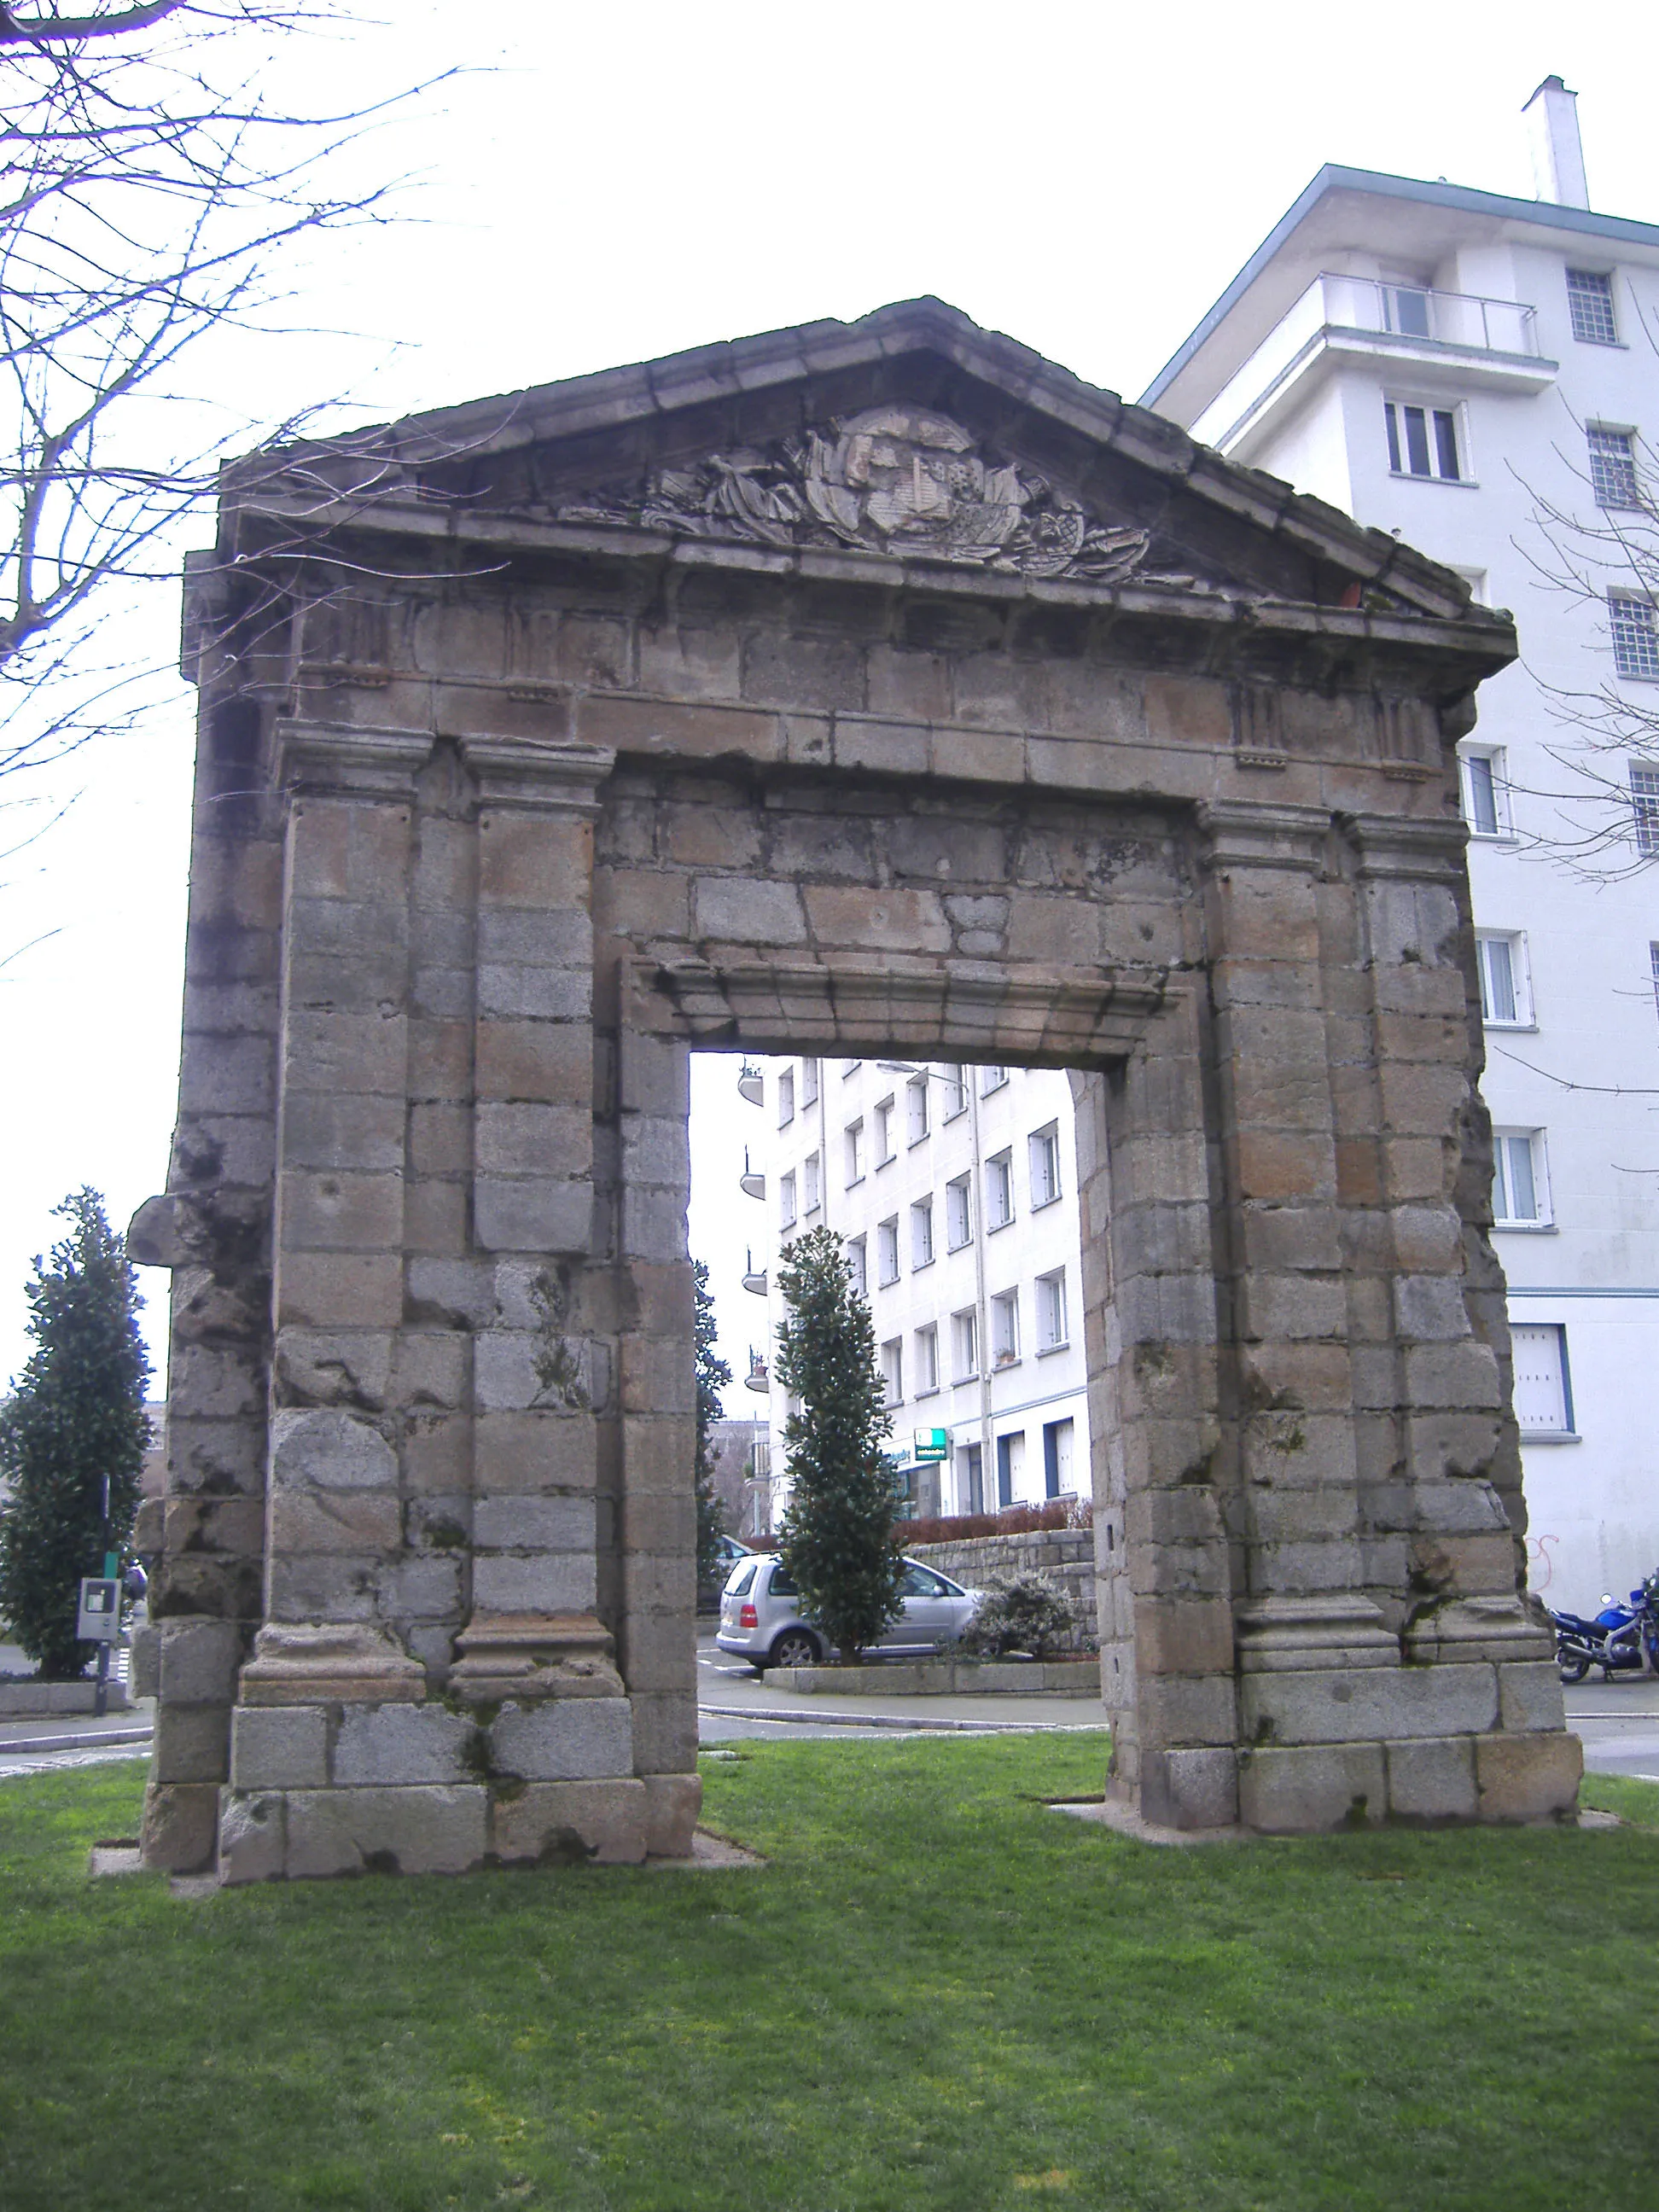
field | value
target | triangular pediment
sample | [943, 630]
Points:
[912, 436]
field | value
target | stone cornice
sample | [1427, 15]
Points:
[528, 774]
[337, 757]
[1399, 845]
[1241, 834]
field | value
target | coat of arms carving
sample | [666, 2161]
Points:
[896, 479]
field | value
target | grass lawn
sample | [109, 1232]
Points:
[938, 1995]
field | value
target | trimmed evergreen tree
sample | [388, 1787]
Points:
[712, 1373]
[77, 1415]
[837, 1536]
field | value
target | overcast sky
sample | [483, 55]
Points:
[612, 184]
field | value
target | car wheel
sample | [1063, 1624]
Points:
[796, 1647]
[1572, 1670]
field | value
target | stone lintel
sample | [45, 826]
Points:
[1051, 1018]
[529, 1654]
[299, 1664]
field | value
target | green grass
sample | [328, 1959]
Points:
[938, 1995]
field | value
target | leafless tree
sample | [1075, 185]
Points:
[1599, 548]
[151, 189]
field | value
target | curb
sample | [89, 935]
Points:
[919, 1724]
[90, 1741]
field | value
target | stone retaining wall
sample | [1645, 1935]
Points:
[944, 1677]
[28, 1701]
[1065, 1556]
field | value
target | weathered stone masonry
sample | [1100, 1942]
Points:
[862, 689]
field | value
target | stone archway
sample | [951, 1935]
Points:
[864, 688]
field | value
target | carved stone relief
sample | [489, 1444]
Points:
[896, 479]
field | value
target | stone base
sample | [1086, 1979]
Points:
[304, 1665]
[1450, 1780]
[180, 1826]
[273, 1835]
[529, 1654]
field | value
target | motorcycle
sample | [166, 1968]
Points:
[1622, 1639]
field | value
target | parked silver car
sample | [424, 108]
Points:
[761, 1618]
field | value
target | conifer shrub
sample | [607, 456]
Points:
[836, 1538]
[76, 1416]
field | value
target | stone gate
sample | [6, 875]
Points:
[858, 689]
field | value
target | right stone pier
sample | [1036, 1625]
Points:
[1313, 1610]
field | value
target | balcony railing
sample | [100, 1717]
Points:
[1412, 311]
[1490, 341]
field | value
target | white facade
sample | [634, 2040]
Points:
[1442, 363]
[955, 1189]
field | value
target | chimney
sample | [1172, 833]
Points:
[1558, 157]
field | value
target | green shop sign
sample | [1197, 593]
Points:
[933, 1444]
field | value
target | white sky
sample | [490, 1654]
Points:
[615, 184]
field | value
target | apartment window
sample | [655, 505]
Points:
[786, 1098]
[1519, 1187]
[999, 1190]
[1653, 963]
[917, 1114]
[858, 1266]
[1635, 635]
[892, 1369]
[1423, 441]
[854, 1153]
[1644, 808]
[1590, 304]
[927, 1360]
[1505, 984]
[1051, 1310]
[850, 1067]
[1543, 1383]
[921, 1233]
[956, 1094]
[958, 1214]
[1010, 1461]
[884, 1133]
[1056, 1459]
[1613, 467]
[1045, 1165]
[1004, 1329]
[990, 1080]
[787, 1200]
[887, 1266]
[809, 1082]
[1486, 792]
[814, 1183]
[964, 1345]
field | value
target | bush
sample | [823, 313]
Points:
[1021, 1612]
[1012, 1521]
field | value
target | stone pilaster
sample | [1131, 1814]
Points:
[1167, 1651]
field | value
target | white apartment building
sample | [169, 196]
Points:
[955, 1189]
[1442, 364]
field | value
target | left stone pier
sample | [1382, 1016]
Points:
[407, 1667]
